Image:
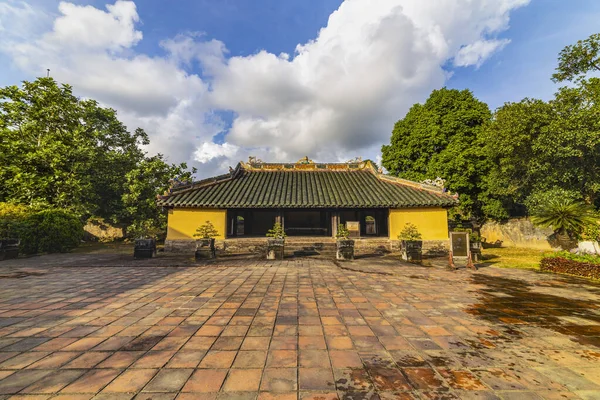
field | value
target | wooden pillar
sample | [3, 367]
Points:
[335, 220]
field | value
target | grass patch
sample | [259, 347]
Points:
[514, 257]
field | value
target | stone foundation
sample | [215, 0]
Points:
[258, 246]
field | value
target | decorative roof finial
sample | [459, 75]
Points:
[305, 160]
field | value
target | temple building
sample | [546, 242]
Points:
[309, 199]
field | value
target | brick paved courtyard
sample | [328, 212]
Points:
[299, 329]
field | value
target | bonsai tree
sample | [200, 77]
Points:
[276, 232]
[345, 246]
[567, 218]
[275, 244]
[342, 232]
[206, 231]
[410, 232]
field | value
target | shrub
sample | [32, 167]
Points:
[410, 232]
[206, 231]
[277, 231]
[572, 264]
[11, 219]
[566, 217]
[50, 231]
[342, 232]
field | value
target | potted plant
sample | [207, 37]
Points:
[276, 242]
[205, 246]
[345, 246]
[411, 243]
[475, 246]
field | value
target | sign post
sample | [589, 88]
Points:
[353, 228]
[460, 249]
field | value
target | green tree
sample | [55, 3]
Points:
[141, 185]
[535, 147]
[574, 61]
[442, 138]
[516, 165]
[62, 151]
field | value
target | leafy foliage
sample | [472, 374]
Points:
[566, 217]
[537, 201]
[584, 258]
[591, 231]
[276, 232]
[60, 151]
[206, 231]
[578, 59]
[50, 231]
[342, 232]
[410, 232]
[11, 219]
[442, 138]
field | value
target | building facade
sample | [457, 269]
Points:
[309, 199]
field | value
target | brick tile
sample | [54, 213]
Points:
[315, 379]
[205, 381]
[243, 380]
[168, 380]
[250, 359]
[92, 382]
[218, 359]
[282, 358]
[132, 380]
[279, 380]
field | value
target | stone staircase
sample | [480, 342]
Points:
[306, 247]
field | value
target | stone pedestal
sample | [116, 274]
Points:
[144, 248]
[345, 250]
[275, 249]
[205, 249]
[412, 250]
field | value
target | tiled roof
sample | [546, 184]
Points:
[306, 185]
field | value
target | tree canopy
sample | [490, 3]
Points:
[578, 59]
[504, 164]
[61, 151]
[442, 138]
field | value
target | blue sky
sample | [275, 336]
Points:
[206, 78]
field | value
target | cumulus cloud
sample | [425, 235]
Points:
[336, 97]
[209, 151]
[341, 93]
[476, 53]
[93, 50]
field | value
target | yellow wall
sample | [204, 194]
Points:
[432, 223]
[183, 222]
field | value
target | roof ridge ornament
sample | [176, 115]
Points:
[255, 160]
[305, 160]
[437, 182]
[355, 160]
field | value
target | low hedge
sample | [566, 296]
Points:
[587, 266]
[46, 231]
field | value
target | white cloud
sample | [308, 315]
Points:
[335, 98]
[341, 93]
[92, 50]
[476, 53]
[209, 151]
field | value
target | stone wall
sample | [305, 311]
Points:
[98, 230]
[517, 233]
